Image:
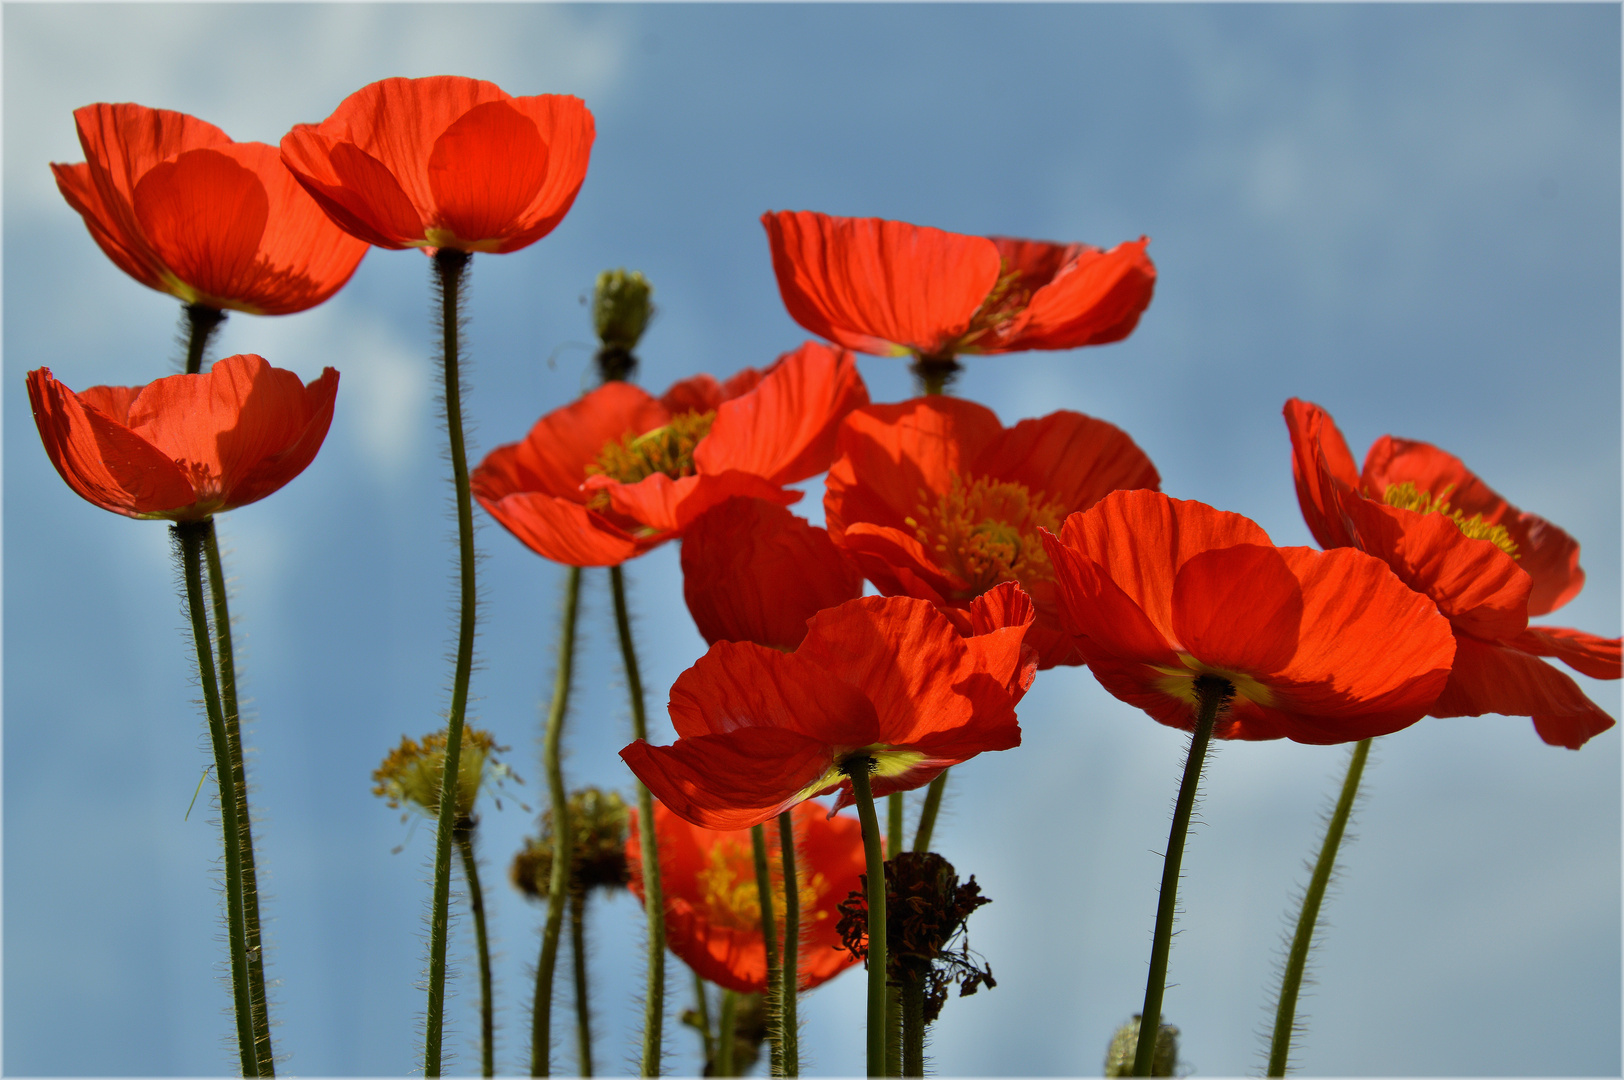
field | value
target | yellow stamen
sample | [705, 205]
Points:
[1179, 682]
[1406, 496]
[730, 899]
[668, 450]
[1006, 300]
[986, 531]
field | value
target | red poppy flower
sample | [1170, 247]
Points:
[618, 472]
[184, 210]
[1321, 647]
[1487, 565]
[889, 288]
[445, 162]
[713, 908]
[186, 446]
[935, 498]
[887, 678]
[753, 571]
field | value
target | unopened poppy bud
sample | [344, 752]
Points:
[621, 309]
[1125, 1044]
[412, 772]
[598, 824]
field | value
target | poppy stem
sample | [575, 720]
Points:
[1214, 693]
[858, 769]
[245, 843]
[476, 905]
[541, 1009]
[725, 1035]
[202, 322]
[1297, 959]
[189, 536]
[927, 815]
[583, 1003]
[913, 1021]
[792, 947]
[769, 939]
[703, 1023]
[449, 265]
[934, 374]
[653, 894]
[893, 1002]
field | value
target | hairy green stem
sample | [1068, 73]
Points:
[927, 814]
[252, 945]
[769, 940]
[541, 1014]
[1291, 982]
[913, 1021]
[702, 1011]
[653, 894]
[201, 323]
[583, 1002]
[476, 906]
[189, 536]
[725, 1036]
[791, 986]
[449, 265]
[858, 769]
[1213, 692]
[934, 374]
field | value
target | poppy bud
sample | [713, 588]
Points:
[621, 310]
[1125, 1044]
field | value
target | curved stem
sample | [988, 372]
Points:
[725, 1036]
[791, 985]
[245, 843]
[653, 894]
[541, 1014]
[476, 905]
[857, 769]
[769, 940]
[583, 1003]
[201, 323]
[927, 815]
[1292, 981]
[449, 265]
[189, 535]
[1214, 692]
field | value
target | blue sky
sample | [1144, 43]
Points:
[1407, 213]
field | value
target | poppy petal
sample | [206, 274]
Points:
[567, 127]
[1073, 459]
[1585, 653]
[561, 530]
[1095, 298]
[1239, 608]
[1320, 465]
[730, 781]
[204, 216]
[874, 285]
[1499, 679]
[741, 684]
[128, 252]
[484, 171]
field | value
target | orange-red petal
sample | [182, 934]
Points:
[741, 684]
[1093, 297]
[1489, 678]
[734, 780]
[1585, 653]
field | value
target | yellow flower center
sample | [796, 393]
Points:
[986, 531]
[412, 773]
[730, 898]
[1406, 496]
[668, 450]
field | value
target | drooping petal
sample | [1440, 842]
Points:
[1500, 679]
[561, 530]
[1585, 653]
[874, 285]
[741, 685]
[1094, 298]
[734, 780]
[784, 429]
[752, 571]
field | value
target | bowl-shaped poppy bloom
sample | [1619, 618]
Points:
[891, 288]
[713, 906]
[186, 446]
[1319, 646]
[888, 679]
[934, 498]
[182, 209]
[1487, 565]
[445, 162]
[753, 571]
[619, 472]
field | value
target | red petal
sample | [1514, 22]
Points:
[568, 130]
[204, 215]
[1585, 653]
[1070, 459]
[1321, 465]
[730, 781]
[742, 685]
[100, 458]
[566, 532]
[1095, 298]
[485, 171]
[1094, 607]
[1500, 679]
[1239, 608]
[127, 250]
[1544, 552]
[669, 506]
[552, 459]
[354, 189]
[784, 429]
[870, 284]
[752, 571]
